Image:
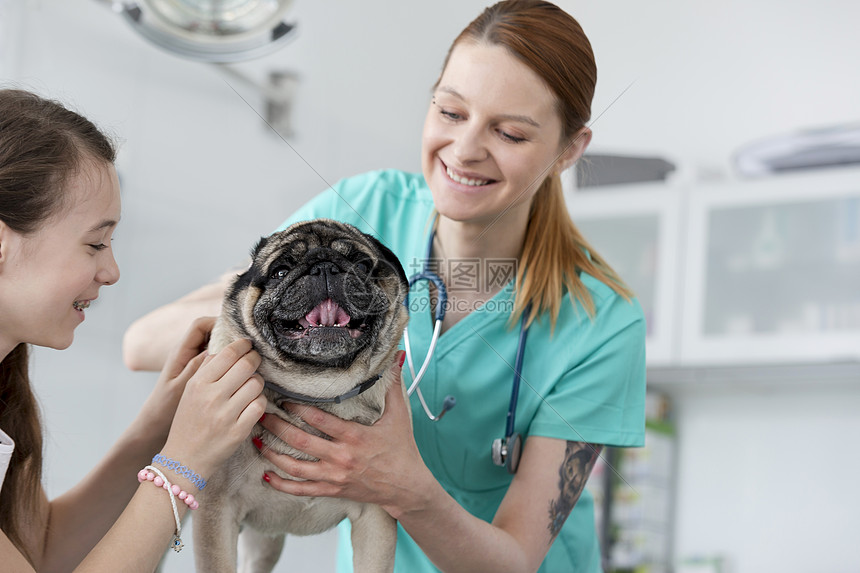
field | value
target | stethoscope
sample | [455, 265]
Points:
[505, 451]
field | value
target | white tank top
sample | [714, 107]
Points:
[6, 448]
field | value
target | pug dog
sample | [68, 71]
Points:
[323, 304]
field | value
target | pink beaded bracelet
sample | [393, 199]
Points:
[149, 473]
[146, 475]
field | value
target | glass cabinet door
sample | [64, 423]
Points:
[774, 270]
[635, 229]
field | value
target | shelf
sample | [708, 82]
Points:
[736, 273]
[756, 377]
[772, 271]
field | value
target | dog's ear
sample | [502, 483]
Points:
[390, 258]
[252, 274]
[259, 247]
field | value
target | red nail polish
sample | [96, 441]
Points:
[263, 417]
[402, 358]
[267, 478]
[258, 443]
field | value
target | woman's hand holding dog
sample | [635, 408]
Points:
[377, 464]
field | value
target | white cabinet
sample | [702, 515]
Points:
[636, 230]
[772, 271]
[740, 273]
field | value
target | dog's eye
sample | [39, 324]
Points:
[280, 272]
[362, 267]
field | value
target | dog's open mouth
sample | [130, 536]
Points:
[325, 319]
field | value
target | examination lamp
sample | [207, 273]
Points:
[212, 31]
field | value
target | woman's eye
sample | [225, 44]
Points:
[511, 138]
[450, 115]
[98, 246]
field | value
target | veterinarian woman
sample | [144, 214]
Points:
[59, 206]
[506, 116]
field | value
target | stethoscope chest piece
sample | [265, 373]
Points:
[506, 452]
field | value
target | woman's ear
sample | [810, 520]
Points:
[6, 242]
[3, 241]
[574, 149]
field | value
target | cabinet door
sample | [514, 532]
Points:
[773, 271]
[635, 229]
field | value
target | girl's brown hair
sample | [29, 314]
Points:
[550, 42]
[42, 145]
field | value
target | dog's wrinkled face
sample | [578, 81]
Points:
[320, 293]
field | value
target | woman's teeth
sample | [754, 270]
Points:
[81, 304]
[465, 180]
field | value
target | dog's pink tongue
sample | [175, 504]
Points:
[327, 313]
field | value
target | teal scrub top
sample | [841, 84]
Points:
[584, 383]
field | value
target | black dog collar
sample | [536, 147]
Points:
[295, 397]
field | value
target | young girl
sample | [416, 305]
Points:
[59, 206]
[507, 115]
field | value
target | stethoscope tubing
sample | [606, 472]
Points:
[442, 293]
[417, 378]
[427, 275]
[449, 401]
[518, 373]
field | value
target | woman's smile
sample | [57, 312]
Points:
[468, 179]
[467, 183]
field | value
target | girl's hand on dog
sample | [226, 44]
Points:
[375, 464]
[157, 412]
[221, 403]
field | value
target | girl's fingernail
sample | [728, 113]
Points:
[263, 417]
[267, 478]
[258, 443]
[402, 359]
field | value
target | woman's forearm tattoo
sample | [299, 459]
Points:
[579, 458]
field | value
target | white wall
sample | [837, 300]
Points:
[710, 76]
[203, 178]
[768, 478]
